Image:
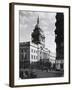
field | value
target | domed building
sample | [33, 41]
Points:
[34, 50]
[38, 36]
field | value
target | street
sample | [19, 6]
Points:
[38, 73]
[44, 73]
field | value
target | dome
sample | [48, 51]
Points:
[38, 36]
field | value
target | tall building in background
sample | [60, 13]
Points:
[59, 39]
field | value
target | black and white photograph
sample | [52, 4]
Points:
[39, 44]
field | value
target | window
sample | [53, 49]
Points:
[31, 56]
[22, 50]
[31, 50]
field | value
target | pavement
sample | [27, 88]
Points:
[45, 73]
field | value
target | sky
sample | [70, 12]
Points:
[27, 22]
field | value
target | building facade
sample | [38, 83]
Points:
[30, 52]
[24, 55]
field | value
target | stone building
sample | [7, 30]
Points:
[24, 54]
[30, 52]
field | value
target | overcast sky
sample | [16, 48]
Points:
[27, 22]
